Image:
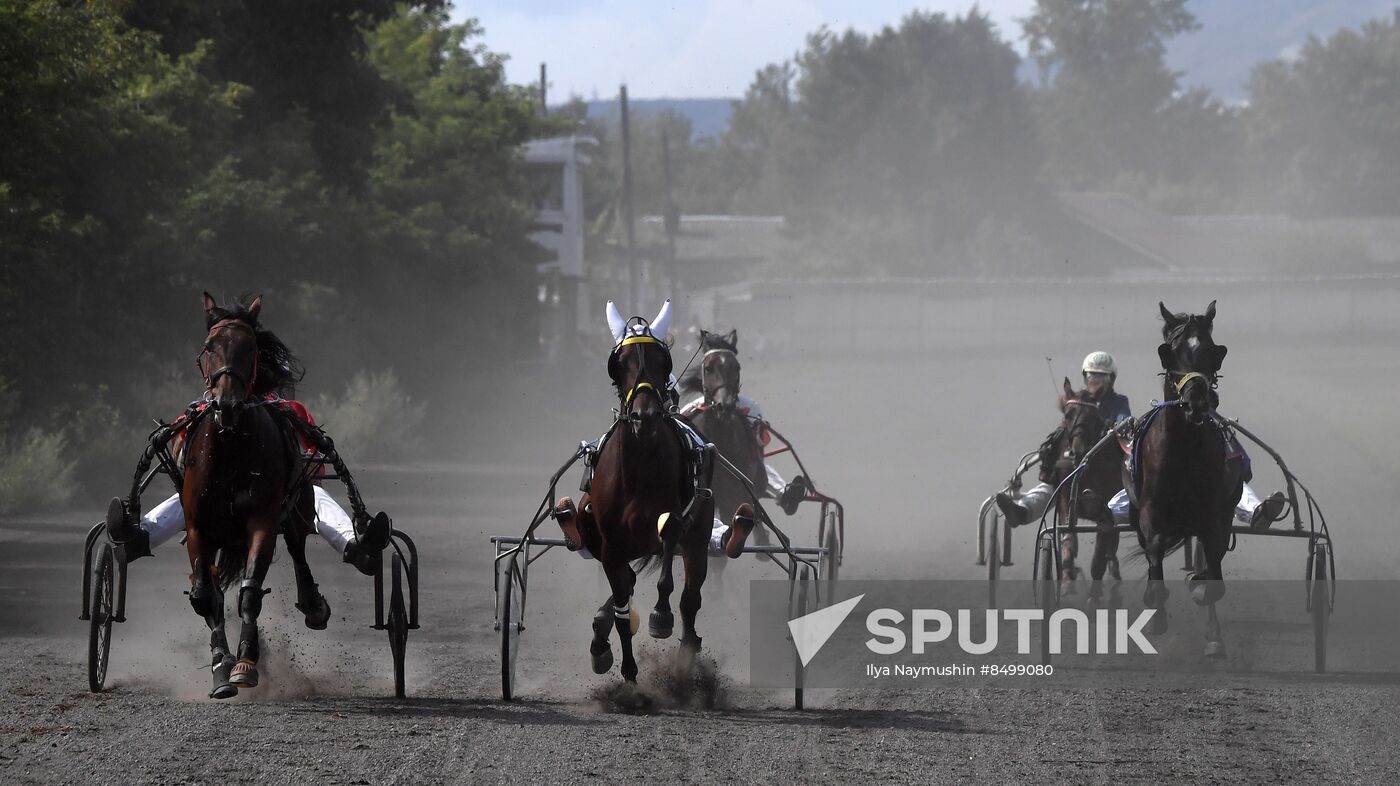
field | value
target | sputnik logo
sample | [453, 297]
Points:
[811, 631]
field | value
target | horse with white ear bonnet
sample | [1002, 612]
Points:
[657, 328]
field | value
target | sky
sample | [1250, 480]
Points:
[695, 49]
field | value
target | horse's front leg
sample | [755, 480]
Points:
[1156, 593]
[696, 556]
[1209, 588]
[208, 602]
[262, 542]
[622, 579]
[662, 621]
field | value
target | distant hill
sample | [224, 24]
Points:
[1235, 35]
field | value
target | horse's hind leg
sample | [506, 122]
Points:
[1105, 548]
[310, 601]
[662, 621]
[1156, 593]
[262, 540]
[208, 602]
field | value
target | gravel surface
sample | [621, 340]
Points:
[323, 713]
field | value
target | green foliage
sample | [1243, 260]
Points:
[1324, 128]
[375, 419]
[35, 471]
[885, 151]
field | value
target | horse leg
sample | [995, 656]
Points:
[208, 602]
[262, 540]
[622, 579]
[310, 601]
[1105, 547]
[1156, 593]
[1211, 589]
[697, 565]
[662, 621]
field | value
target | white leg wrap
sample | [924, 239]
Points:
[622, 612]
[164, 521]
[332, 522]
[775, 481]
[718, 531]
[1118, 506]
[1249, 502]
[1036, 499]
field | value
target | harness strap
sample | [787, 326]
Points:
[640, 386]
[1186, 380]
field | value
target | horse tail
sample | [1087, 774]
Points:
[231, 562]
[1138, 555]
[647, 564]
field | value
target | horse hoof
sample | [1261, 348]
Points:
[244, 675]
[603, 661]
[1215, 649]
[1158, 624]
[690, 645]
[318, 614]
[225, 691]
[660, 624]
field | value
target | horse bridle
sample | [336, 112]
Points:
[642, 384]
[710, 394]
[1067, 453]
[212, 378]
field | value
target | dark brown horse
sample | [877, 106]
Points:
[1188, 485]
[239, 471]
[731, 430]
[643, 501]
[1082, 428]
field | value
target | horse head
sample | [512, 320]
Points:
[229, 359]
[640, 366]
[1191, 360]
[719, 368]
[1083, 425]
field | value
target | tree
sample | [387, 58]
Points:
[1107, 85]
[887, 151]
[1324, 128]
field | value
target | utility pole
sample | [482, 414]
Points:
[672, 219]
[544, 89]
[633, 283]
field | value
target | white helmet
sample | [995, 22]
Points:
[1100, 363]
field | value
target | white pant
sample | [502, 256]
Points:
[167, 520]
[1244, 509]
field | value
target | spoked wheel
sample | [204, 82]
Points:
[1045, 578]
[829, 564]
[100, 619]
[1321, 599]
[799, 609]
[397, 623]
[510, 590]
[993, 559]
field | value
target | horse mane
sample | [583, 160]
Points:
[279, 369]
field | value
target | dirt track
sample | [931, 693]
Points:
[321, 715]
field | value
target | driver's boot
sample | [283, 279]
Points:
[122, 531]
[1269, 511]
[1016, 514]
[364, 552]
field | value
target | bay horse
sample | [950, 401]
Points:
[648, 495]
[240, 471]
[731, 430]
[1082, 428]
[1188, 483]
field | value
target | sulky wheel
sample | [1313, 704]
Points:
[829, 564]
[510, 591]
[100, 619]
[800, 609]
[1046, 584]
[1320, 598]
[397, 623]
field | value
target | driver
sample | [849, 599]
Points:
[1100, 372]
[277, 373]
